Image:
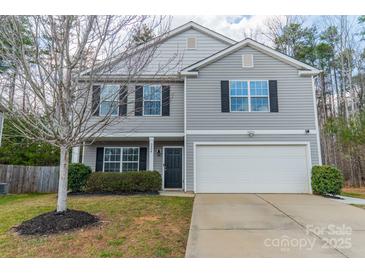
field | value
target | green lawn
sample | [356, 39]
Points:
[353, 194]
[132, 226]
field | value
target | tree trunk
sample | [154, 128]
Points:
[12, 90]
[62, 182]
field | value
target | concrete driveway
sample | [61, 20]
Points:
[275, 225]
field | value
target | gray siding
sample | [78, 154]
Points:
[169, 58]
[190, 139]
[171, 55]
[150, 124]
[89, 157]
[295, 97]
[89, 154]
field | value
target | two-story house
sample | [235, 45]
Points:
[232, 117]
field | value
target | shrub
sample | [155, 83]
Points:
[77, 176]
[125, 182]
[326, 180]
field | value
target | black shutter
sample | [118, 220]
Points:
[273, 91]
[123, 100]
[142, 158]
[96, 100]
[138, 105]
[165, 100]
[225, 96]
[99, 159]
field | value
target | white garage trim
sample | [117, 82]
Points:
[246, 132]
[307, 144]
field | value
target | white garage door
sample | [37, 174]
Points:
[251, 169]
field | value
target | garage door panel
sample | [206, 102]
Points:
[251, 169]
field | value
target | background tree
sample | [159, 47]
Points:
[70, 54]
[15, 149]
[7, 67]
[334, 44]
[143, 35]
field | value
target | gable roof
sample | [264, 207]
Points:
[196, 26]
[163, 37]
[304, 69]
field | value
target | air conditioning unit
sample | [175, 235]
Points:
[3, 188]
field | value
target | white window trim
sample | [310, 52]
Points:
[122, 162]
[196, 43]
[249, 96]
[112, 161]
[121, 158]
[243, 62]
[152, 115]
[117, 98]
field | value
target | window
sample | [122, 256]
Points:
[152, 100]
[121, 159]
[259, 92]
[112, 159]
[239, 96]
[109, 96]
[130, 159]
[249, 96]
[247, 60]
[191, 43]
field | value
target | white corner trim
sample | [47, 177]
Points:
[1, 126]
[308, 154]
[185, 149]
[83, 153]
[151, 149]
[317, 125]
[75, 154]
[246, 132]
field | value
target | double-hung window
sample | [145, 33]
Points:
[239, 96]
[109, 96]
[112, 159]
[152, 100]
[121, 159]
[130, 159]
[249, 96]
[259, 95]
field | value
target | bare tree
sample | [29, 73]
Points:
[57, 69]
[275, 28]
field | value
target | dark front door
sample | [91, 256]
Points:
[173, 167]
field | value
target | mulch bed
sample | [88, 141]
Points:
[113, 193]
[332, 197]
[56, 222]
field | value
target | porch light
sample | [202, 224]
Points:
[251, 133]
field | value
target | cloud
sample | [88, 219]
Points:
[236, 27]
[236, 19]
